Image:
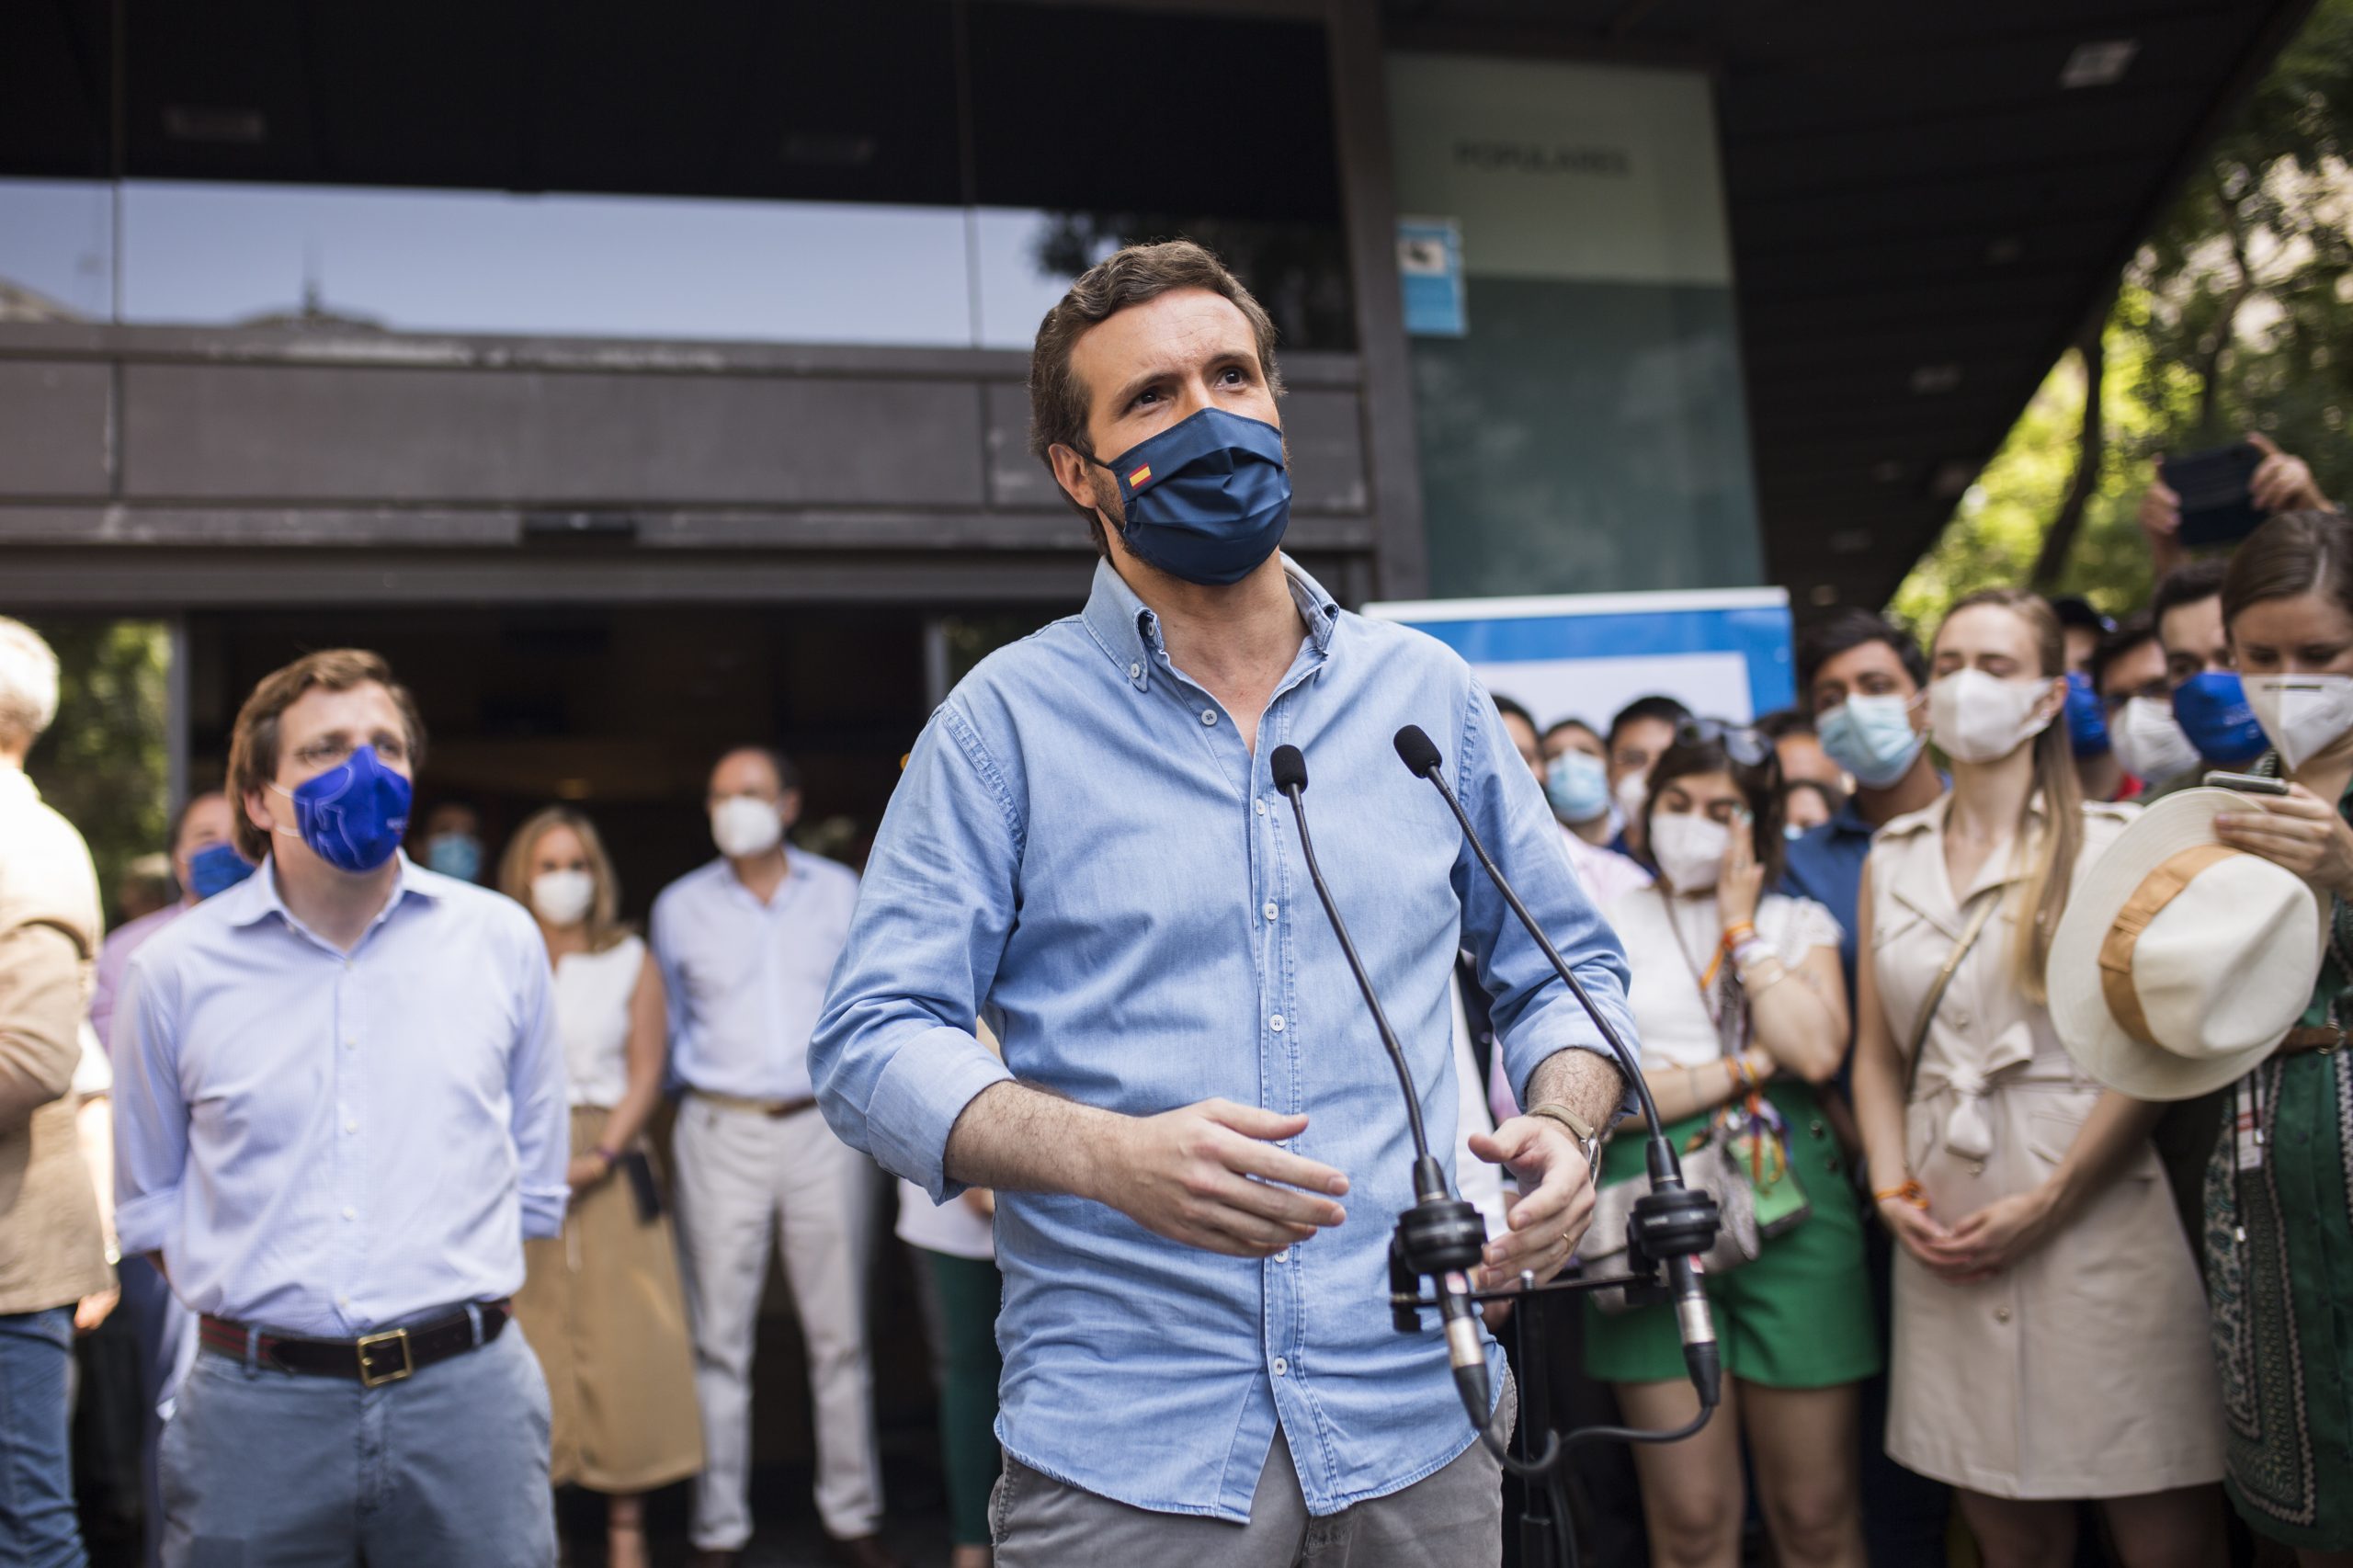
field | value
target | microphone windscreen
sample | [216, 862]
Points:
[1290, 768]
[1414, 748]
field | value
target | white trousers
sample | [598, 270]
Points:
[743, 1177]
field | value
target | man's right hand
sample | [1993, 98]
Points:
[1187, 1175]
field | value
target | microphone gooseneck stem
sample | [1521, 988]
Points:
[1429, 1180]
[1626, 1062]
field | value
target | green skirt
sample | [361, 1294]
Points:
[1798, 1316]
[2280, 1276]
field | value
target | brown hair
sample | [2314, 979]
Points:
[605, 928]
[2049, 859]
[253, 745]
[1135, 276]
[2293, 554]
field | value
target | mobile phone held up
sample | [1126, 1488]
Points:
[2216, 507]
[2246, 783]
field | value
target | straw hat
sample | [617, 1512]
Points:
[2181, 961]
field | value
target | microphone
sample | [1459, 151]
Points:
[1674, 1225]
[1440, 1235]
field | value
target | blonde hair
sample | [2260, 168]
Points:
[605, 928]
[2050, 858]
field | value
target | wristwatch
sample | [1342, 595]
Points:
[1587, 1135]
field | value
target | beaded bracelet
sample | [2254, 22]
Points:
[1910, 1192]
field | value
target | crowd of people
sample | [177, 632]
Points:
[2016, 1049]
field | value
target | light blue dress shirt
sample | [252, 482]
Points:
[325, 1143]
[1083, 846]
[745, 979]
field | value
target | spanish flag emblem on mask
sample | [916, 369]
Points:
[1137, 480]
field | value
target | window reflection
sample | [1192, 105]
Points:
[481, 261]
[56, 250]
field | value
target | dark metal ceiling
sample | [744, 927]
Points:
[1922, 215]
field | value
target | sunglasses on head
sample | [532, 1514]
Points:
[1744, 744]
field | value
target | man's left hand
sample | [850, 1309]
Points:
[1556, 1204]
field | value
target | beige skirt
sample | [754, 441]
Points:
[602, 1306]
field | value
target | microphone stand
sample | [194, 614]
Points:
[1440, 1237]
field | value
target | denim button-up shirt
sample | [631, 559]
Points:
[1083, 850]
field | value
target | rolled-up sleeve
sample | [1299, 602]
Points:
[537, 1089]
[150, 1113]
[894, 1060]
[1535, 1014]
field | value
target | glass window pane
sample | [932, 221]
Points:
[56, 250]
[595, 266]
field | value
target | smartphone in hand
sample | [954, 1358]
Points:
[2217, 504]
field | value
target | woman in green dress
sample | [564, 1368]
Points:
[2279, 1188]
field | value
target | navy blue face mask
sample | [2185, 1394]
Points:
[352, 815]
[216, 867]
[1205, 500]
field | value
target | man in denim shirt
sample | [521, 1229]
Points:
[1087, 848]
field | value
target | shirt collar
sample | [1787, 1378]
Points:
[1128, 631]
[256, 898]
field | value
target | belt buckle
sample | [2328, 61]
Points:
[368, 1376]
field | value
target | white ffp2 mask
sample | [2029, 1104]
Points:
[1689, 849]
[1979, 717]
[743, 825]
[2302, 715]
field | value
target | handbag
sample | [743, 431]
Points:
[1708, 1168]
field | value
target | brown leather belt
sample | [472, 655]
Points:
[373, 1359]
[775, 1110]
[2322, 1040]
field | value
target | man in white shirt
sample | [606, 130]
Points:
[746, 945]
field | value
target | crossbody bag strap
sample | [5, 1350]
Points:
[1987, 902]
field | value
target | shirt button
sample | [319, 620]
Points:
[351, 1127]
[1262, 808]
[1282, 1366]
[1283, 1257]
[349, 1212]
[1271, 911]
[2001, 1315]
[1275, 1023]
[1209, 715]
[350, 1044]
[1136, 672]
[343, 1301]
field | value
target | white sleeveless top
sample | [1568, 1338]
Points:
[592, 999]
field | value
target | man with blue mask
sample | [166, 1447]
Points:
[339, 1111]
[1194, 1139]
[2208, 700]
[1862, 676]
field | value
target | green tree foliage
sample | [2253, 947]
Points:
[102, 764]
[2236, 315]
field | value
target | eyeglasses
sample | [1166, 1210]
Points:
[1745, 745]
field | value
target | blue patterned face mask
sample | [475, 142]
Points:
[2213, 708]
[1205, 500]
[1870, 737]
[352, 815]
[1578, 787]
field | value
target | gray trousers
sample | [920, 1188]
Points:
[263, 1469]
[1452, 1518]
